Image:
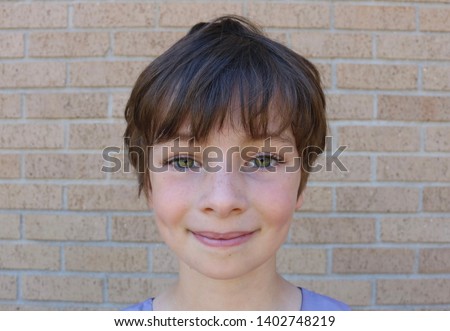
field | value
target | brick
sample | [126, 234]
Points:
[105, 259]
[301, 261]
[9, 106]
[280, 37]
[31, 136]
[36, 196]
[292, 15]
[349, 106]
[434, 19]
[11, 45]
[126, 172]
[413, 291]
[181, 14]
[413, 168]
[96, 135]
[314, 194]
[62, 288]
[12, 307]
[436, 78]
[151, 43]
[10, 226]
[29, 256]
[438, 139]
[54, 306]
[68, 44]
[416, 47]
[65, 227]
[119, 102]
[105, 197]
[436, 199]
[373, 260]
[164, 260]
[332, 230]
[67, 105]
[62, 165]
[33, 15]
[376, 76]
[352, 292]
[135, 229]
[113, 15]
[37, 74]
[132, 290]
[413, 108]
[416, 230]
[105, 74]
[332, 45]
[8, 288]
[377, 199]
[375, 17]
[43, 306]
[434, 260]
[355, 168]
[325, 72]
[9, 166]
[380, 138]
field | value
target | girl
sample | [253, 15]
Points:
[223, 129]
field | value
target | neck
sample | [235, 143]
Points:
[261, 289]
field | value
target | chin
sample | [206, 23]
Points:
[222, 274]
[224, 271]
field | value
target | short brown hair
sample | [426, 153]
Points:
[197, 80]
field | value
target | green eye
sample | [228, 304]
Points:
[265, 161]
[183, 163]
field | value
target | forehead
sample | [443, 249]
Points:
[239, 134]
[252, 119]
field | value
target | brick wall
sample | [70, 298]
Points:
[72, 237]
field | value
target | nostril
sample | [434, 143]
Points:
[222, 194]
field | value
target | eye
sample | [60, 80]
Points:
[183, 163]
[265, 161]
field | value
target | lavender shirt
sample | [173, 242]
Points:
[311, 302]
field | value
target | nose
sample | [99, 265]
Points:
[223, 194]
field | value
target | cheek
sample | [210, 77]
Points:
[170, 198]
[278, 202]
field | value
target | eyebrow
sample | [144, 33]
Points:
[185, 136]
[272, 136]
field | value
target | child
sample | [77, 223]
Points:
[223, 128]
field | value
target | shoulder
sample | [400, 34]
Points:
[314, 301]
[144, 305]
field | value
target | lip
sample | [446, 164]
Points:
[228, 239]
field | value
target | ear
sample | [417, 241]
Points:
[300, 201]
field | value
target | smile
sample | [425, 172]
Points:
[229, 239]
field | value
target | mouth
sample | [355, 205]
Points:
[229, 239]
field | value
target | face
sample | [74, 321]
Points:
[225, 217]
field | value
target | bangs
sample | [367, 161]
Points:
[247, 98]
[226, 77]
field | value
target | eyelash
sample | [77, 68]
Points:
[272, 157]
[172, 162]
